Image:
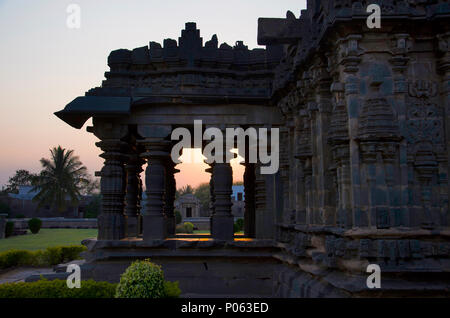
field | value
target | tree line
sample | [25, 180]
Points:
[62, 181]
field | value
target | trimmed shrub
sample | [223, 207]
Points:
[189, 227]
[49, 257]
[186, 227]
[61, 254]
[238, 225]
[57, 289]
[142, 279]
[9, 229]
[172, 289]
[13, 258]
[178, 218]
[71, 252]
[34, 225]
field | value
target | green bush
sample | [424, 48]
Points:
[187, 227]
[142, 279]
[178, 217]
[172, 289]
[9, 229]
[62, 254]
[57, 289]
[49, 257]
[34, 225]
[238, 225]
[13, 258]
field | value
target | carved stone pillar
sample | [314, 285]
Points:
[339, 141]
[211, 190]
[249, 189]
[378, 137]
[443, 66]
[171, 189]
[348, 76]
[154, 218]
[111, 222]
[304, 154]
[284, 169]
[132, 206]
[400, 45]
[222, 221]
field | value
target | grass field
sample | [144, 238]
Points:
[53, 237]
[46, 238]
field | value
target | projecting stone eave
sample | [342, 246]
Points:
[78, 111]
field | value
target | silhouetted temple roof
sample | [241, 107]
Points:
[183, 72]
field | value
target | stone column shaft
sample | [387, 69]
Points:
[111, 222]
[222, 221]
[132, 207]
[249, 189]
[154, 218]
[170, 187]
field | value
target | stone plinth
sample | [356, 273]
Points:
[203, 267]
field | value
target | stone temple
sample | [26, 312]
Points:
[364, 121]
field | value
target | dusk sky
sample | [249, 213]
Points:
[44, 65]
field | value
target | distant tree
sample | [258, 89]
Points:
[21, 177]
[93, 207]
[187, 189]
[202, 192]
[91, 186]
[62, 179]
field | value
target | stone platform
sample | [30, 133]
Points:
[204, 267]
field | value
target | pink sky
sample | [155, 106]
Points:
[45, 65]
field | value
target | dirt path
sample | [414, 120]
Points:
[19, 274]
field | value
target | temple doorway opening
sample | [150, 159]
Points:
[193, 200]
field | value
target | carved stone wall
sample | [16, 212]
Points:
[369, 109]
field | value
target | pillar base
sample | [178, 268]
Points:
[132, 225]
[170, 221]
[154, 227]
[111, 226]
[222, 227]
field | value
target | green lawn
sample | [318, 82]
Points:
[46, 238]
[201, 232]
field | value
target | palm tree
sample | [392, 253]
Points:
[61, 180]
